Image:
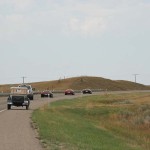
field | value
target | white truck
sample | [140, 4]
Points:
[30, 90]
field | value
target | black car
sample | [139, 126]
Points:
[47, 93]
[86, 91]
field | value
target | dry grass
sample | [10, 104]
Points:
[118, 118]
[132, 120]
[79, 83]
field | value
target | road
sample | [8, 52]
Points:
[16, 132]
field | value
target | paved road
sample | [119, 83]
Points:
[16, 132]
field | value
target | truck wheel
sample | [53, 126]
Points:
[8, 107]
[31, 97]
[27, 107]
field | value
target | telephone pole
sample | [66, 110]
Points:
[135, 77]
[23, 79]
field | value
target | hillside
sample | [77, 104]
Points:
[79, 83]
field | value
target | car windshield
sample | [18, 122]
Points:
[19, 91]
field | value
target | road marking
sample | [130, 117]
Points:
[2, 110]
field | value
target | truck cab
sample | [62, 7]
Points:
[30, 90]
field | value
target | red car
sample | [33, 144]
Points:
[69, 92]
[46, 93]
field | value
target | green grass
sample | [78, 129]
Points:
[106, 122]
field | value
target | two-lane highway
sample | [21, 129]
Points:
[3, 103]
[16, 132]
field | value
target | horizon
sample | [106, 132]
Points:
[70, 78]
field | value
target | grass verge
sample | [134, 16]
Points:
[102, 122]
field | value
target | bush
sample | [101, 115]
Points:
[138, 121]
[144, 108]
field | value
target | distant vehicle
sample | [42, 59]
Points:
[18, 97]
[47, 93]
[30, 90]
[69, 92]
[86, 91]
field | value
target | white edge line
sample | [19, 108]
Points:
[2, 110]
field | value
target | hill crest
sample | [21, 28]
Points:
[82, 82]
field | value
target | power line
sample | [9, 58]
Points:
[135, 77]
[23, 79]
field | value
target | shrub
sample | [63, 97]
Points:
[144, 107]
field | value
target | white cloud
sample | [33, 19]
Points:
[86, 26]
[85, 18]
[18, 5]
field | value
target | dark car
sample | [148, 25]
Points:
[69, 92]
[46, 93]
[86, 91]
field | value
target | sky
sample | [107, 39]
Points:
[44, 40]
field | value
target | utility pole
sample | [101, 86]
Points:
[135, 76]
[23, 79]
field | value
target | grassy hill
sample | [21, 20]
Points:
[79, 83]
